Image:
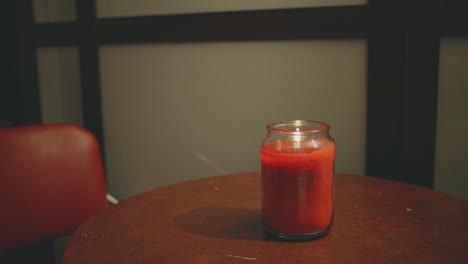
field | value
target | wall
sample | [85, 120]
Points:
[451, 167]
[174, 112]
[122, 8]
[54, 10]
[59, 83]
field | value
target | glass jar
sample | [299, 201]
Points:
[298, 160]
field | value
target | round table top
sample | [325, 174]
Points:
[218, 220]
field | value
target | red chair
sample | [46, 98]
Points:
[51, 180]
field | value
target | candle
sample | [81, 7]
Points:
[297, 180]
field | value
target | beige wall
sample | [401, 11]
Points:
[451, 168]
[174, 112]
[118, 8]
[65, 10]
[54, 10]
[59, 84]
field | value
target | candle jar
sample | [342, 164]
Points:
[298, 179]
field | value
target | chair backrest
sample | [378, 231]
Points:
[51, 180]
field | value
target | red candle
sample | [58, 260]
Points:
[297, 179]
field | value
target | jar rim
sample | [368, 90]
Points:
[298, 126]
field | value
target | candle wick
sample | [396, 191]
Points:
[297, 139]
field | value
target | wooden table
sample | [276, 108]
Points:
[218, 220]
